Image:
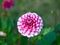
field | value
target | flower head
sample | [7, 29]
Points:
[29, 24]
[7, 4]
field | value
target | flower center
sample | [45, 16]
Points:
[29, 21]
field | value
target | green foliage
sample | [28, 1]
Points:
[58, 39]
[48, 39]
[12, 38]
[47, 30]
[2, 24]
[9, 26]
[24, 40]
[0, 1]
[1, 40]
[57, 29]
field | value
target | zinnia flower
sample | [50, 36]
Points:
[7, 4]
[29, 24]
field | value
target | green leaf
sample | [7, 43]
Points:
[57, 29]
[47, 30]
[48, 39]
[10, 26]
[2, 24]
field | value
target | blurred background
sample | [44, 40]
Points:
[49, 10]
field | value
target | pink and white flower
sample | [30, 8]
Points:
[29, 24]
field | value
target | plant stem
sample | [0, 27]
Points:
[28, 41]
